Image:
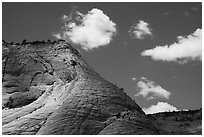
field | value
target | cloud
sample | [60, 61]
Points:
[167, 13]
[186, 13]
[90, 30]
[159, 107]
[196, 7]
[133, 79]
[57, 35]
[140, 30]
[184, 50]
[125, 43]
[148, 89]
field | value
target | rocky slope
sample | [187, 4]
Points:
[49, 89]
[178, 123]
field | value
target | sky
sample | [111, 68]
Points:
[151, 50]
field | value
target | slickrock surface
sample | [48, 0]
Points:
[49, 89]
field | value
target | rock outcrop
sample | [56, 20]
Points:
[48, 88]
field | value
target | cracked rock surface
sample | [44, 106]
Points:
[48, 88]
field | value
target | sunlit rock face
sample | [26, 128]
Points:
[48, 88]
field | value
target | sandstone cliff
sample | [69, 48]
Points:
[48, 88]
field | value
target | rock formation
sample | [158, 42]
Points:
[178, 122]
[48, 88]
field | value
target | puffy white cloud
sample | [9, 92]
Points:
[148, 89]
[159, 107]
[140, 30]
[184, 50]
[90, 30]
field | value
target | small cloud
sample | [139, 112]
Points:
[194, 8]
[90, 30]
[65, 17]
[140, 30]
[184, 50]
[160, 107]
[125, 43]
[167, 13]
[185, 109]
[197, 7]
[148, 89]
[133, 79]
[186, 13]
[57, 36]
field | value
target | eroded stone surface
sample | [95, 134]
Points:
[49, 89]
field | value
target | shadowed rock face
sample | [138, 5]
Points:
[49, 89]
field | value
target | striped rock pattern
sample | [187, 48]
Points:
[48, 88]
